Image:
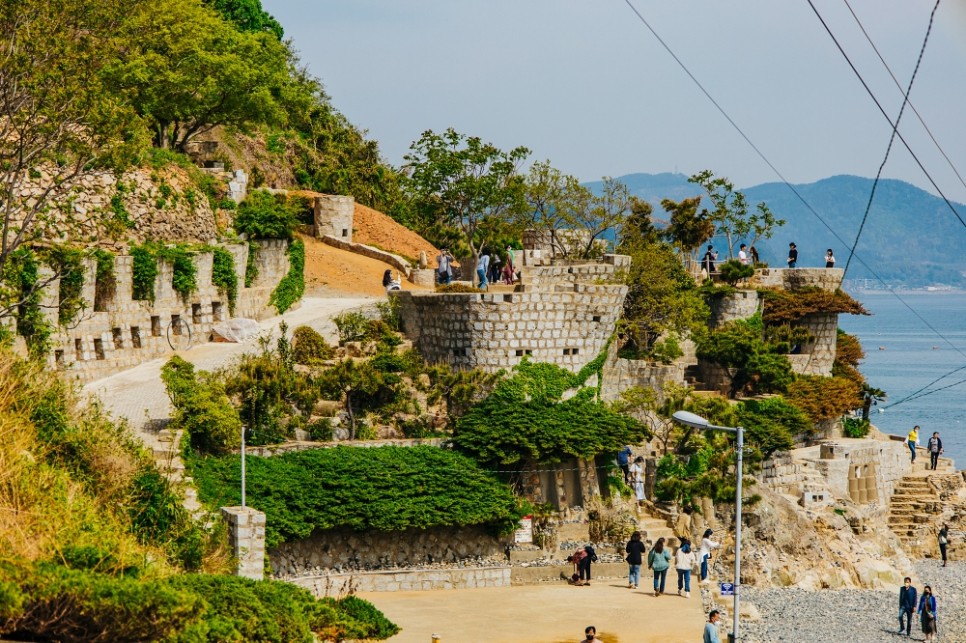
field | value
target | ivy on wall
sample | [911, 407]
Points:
[67, 262]
[184, 274]
[105, 279]
[224, 277]
[145, 273]
[21, 279]
[292, 286]
[251, 265]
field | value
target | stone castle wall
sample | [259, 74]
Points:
[333, 216]
[562, 315]
[116, 331]
[621, 374]
[343, 550]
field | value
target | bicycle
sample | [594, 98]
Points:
[178, 334]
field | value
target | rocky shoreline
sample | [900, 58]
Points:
[855, 615]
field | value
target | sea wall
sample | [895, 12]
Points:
[114, 331]
[342, 550]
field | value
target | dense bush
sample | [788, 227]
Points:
[292, 286]
[383, 488]
[201, 408]
[263, 215]
[761, 367]
[309, 347]
[50, 602]
[733, 271]
[144, 273]
[771, 425]
[825, 398]
[352, 326]
[223, 276]
[21, 288]
[786, 306]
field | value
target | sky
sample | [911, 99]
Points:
[585, 85]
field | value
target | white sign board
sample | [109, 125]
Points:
[525, 533]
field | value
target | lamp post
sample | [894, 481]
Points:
[698, 422]
[243, 465]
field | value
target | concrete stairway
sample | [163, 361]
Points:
[916, 506]
[167, 457]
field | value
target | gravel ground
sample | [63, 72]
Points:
[855, 616]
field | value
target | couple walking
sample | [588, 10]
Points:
[925, 608]
[659, 560]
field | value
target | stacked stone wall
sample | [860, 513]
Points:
[864, 470]
[393, 260]
[405, 580]
[342, 550]
[333, 216]
[793, 279]
[117, 332]
[621, 374]
[734, 306]
[563, 315]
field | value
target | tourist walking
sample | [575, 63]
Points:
[829, 259]
[707, 545]
[743, 255]
[943, 542]
[935, 447]
[444, 267]
[590, 635]
[624, 462]
[792, 255]
[482, 265]
[494, 272]
[711, 628]
[927, 611]
[658, 561]
[684, 524]
[684, 560]
[912, 441]
[709, 258]
[637, 480]
[635, 549]
[907, 605]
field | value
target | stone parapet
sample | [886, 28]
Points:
[395, 261]
[246, 537]
[405, 580]
[793, 279]
[621, 374]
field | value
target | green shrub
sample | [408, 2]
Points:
[389, 313]
[733, 271]
[666, 350]
[352, 326]
[321, 430]
[144, 272]
[202, 409]
[184, 274]
[402, 488]
[223, 276]
[855, 427]
[309, 347]
[292, 286]
[263, 215]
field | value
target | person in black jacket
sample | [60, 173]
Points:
[907, 605]
[792, 255]
[635, 549]
[935, 447]
[584, 565]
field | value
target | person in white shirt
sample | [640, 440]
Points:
[743, 254]
[705, 553]
[684, 560]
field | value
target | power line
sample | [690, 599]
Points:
[911, 105]
[892, 137]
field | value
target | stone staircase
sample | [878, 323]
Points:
[167, 457]
[917, 506]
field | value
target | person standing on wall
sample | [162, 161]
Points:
[829, 259]
[907, 605]
[943, 542]
[935, 447]
[792, 255]
[482, 265]
[912, 441]
[444, 269]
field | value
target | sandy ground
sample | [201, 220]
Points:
[543, 614]
[331, 272]
[374, 228]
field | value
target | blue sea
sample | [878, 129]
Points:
[912, 359]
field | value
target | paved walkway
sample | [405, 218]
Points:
[139, 396]
[543, 614]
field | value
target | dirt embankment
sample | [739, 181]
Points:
[373, 228]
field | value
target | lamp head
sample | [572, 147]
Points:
[690, 419]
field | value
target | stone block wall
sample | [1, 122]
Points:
[866, 471]
[621, 374]
[792, 279]
[246, 537]
[115, 331]
[571, 483]
[562, 315]
[740, 304]
[405, 580]
[396, 261]
[333, 216]
[342, 550]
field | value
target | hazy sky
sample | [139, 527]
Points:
[584, 84]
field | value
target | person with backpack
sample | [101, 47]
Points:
[658, 561]
[684, 561]
[927, 611]
[635, 558]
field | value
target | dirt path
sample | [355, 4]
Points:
[331, 272]
[543, 614]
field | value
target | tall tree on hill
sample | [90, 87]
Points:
[460, 183]
[687, 228]
[247, 15]
[731, 216]
[58, 123]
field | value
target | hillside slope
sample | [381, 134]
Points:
[374, 228]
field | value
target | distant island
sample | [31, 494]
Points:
[911, 239]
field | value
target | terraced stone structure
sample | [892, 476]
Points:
[562, 314]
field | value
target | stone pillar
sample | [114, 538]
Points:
[423, 277]
[246, 537]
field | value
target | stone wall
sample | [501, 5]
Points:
[246, 538]
[621, 374]
[740, 304]
[161, 205]
[342, 550]
[562, 315]
[333, 216]
[405, 580]
[116, 331]
[571, 483]
[396, 261]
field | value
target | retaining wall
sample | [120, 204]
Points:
[410, 580]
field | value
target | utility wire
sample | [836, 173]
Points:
[791, 187]
[915, 111]
[892, 137]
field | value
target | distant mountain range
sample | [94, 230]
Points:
[911, 238]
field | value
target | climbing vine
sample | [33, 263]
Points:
[290, 289]
[184, 274]
[22, 281]
[105, 279]
[144, 273]
[224, 277]
[251, 265]
[67, 262]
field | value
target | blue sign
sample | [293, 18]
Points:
[727, 589]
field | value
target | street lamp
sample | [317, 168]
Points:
[698, 422]
[243, 466]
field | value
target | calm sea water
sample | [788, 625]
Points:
[904, 355]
